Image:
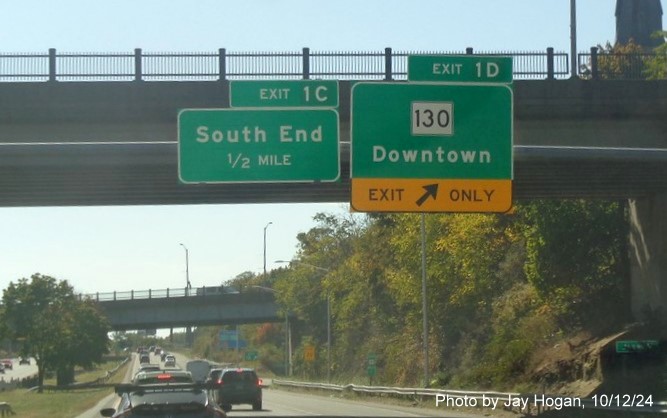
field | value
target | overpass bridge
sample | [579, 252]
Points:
[100, 129]
[184, 307]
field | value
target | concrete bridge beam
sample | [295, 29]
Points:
[648, 258]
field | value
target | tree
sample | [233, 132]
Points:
[576, 259]
[54, 325]
[656, 67]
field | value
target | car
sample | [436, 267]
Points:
[170, 361]
[2, 368]
[8, 363]
[164, 395]
[145, 367]
[163, 355]
[24, 360]
[144, 358]
[233, 386]
[199, 368]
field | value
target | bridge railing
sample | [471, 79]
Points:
[158, 293]
[223, 64]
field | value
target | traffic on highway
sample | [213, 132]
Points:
[226, 391]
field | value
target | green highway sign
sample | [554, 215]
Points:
[431, 131]
[283, 93]
[371, 358]
[640, 346]
[258, 145]
[460, 68]
[251, 356]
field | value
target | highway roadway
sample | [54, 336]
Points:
[282, 403]
[18, 372]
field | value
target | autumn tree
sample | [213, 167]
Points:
[577, 259]
[52, 324]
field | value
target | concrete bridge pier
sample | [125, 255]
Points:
[648, 259]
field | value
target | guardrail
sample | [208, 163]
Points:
[222, 65]
[524, 403]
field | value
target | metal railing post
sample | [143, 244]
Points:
[305, 58]
[137, 64]
[222, 64]
[388, 70]
[52, 64]
[594, 63]
[550, 63]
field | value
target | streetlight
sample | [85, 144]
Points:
[328, 312]
[187, 270]
[188, 329]
[288, 335]
[267, 225]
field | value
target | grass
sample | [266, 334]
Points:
[62, 404]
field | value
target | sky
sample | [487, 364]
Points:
[102, 249]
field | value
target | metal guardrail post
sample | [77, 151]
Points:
[594, 63]
[52, 64]
[137, 64]
[388, 70]
[114, 295]
[150, 293]
[550, 63]
[131, 295]
[305, 58]
[222, 72]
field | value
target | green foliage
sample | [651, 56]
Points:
[656, 67]
[622, 61]
[53, 325]
[632, 61]
[575, 252]
[499, 287]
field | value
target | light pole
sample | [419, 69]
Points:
[288, 335]
[328, 312]
[267, 225]
[187, 270]
[188, 329]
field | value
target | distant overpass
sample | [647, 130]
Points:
[176, 308]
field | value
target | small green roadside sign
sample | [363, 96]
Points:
[258, 145]
[251, 356]
[636, 346]
[459, 68]
[283, 93]
[371, 364]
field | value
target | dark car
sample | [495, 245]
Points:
[236, 386]
[166, 398]
[24, 360]
[144, 358]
